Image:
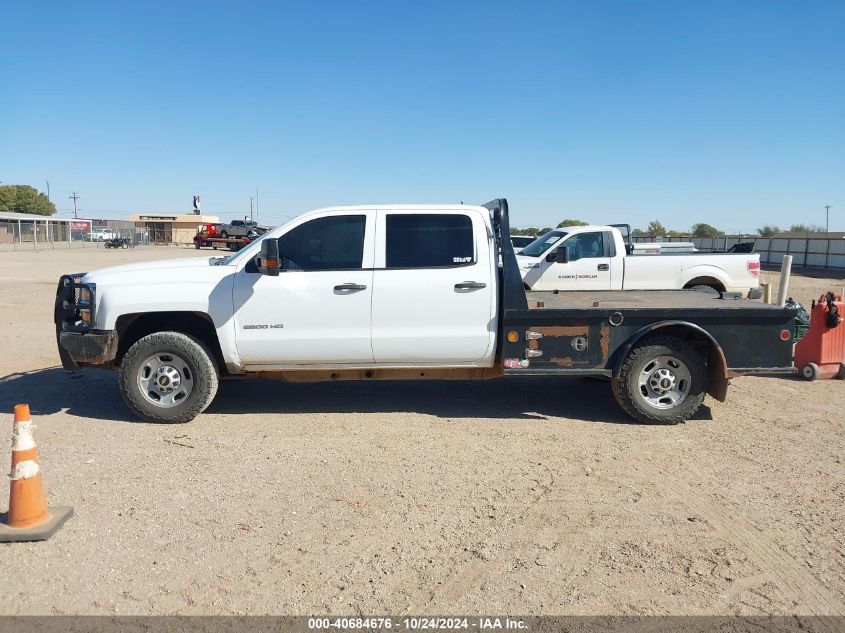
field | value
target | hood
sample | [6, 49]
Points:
[129, 270]
[526, 263]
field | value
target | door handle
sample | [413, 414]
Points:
[349, 288]
[604, 266]
[470, 285]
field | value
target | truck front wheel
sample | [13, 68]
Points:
[662, 381]
[167, 377]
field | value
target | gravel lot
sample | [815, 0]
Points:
[522, 496]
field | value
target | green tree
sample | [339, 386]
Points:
[806, 228]
[705, 230]
[656, 228]
[638, 232]
[531, 231]
[768, 230]
[25, 199]
[676, 234]
[571, 222]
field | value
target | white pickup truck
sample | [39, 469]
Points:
[601, 258]
[399, 292]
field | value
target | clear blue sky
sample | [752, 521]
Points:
[731, 113]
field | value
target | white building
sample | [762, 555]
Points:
[16, 228]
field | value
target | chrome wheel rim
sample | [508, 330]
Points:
[165, 380]
[664, 382]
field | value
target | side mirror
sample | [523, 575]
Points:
[559, 255]
[268, 261]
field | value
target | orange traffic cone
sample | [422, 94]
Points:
[29, 518]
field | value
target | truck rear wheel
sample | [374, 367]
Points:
[167, 377]
[662, 381]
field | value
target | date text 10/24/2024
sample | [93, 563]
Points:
[418, 623]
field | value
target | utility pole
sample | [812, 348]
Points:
[48, 190]
[827, 218]
[250, 208]
[74, 197]
[256, 204]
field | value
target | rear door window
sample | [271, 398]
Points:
[429, 240]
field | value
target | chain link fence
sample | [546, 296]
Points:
[819, 253]
[31, 235]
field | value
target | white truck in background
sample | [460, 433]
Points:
[602, 258]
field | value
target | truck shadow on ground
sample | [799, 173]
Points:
[94, 394]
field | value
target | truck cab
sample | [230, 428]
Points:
[573, 258]
[414, 285]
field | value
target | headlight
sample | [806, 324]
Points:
[85, 306]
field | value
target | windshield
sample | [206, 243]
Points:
[543, 243]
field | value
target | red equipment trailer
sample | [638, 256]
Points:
[821, 352]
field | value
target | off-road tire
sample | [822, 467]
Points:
[626, 390]
[199, 361]
[710, 290]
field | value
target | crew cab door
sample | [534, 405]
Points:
[591, 257]
[434, 295]
[317, 311]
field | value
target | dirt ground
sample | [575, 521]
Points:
[526, 496]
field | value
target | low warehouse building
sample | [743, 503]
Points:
[165, 228]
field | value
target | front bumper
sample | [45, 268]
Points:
[73, 315]
[87, 348]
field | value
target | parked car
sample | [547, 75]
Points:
[101, 234]
[400, 292]
[603, 258]
[521, 241]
